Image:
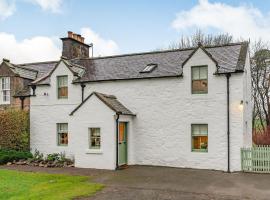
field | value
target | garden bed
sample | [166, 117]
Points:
[11, 157]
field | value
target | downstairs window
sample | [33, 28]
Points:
[62, 134]
[199, 134]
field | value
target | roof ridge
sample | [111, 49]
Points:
[161, 51]
[25, 68]
[32, 63]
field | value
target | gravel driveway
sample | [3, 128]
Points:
[163, 183]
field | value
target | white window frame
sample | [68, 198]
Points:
[90, 138]
[61, 131]
[4, 81]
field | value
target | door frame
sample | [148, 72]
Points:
[126, 138]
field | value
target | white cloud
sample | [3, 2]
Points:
[34, 49]
[101, 46]
[7, 8]
[243, 21]
[41, 48]
[52, 5]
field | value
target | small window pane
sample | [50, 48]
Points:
[195, 73]
[62, 131]
[94, 138]
[203, 72]
[195, 129]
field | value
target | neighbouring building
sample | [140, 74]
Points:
[179, 108]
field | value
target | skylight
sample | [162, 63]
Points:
[149, 68]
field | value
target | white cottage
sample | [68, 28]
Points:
[187, 108]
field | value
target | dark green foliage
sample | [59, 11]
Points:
[14, 130]
[11, 155]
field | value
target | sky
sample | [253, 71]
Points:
[30, 29]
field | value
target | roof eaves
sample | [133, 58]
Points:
[125, 79]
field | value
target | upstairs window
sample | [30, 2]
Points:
[199, 79]
[62, 132]
[199, 134]
[62, 83]
[5, 90]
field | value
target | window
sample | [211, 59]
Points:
[94, 138]
[5, 90]
[62, 132]
[199, 134]
[62, 82]
[199, 80]
[149, 68]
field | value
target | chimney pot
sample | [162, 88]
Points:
[82, 38]
[70, 34]
[6, 60]
[75, 36]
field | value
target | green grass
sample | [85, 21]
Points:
[15, 185]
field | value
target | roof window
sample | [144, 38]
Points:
[149, 68]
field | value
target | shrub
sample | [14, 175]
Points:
[14, 130]
[11, 155]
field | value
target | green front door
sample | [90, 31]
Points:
[122, 143]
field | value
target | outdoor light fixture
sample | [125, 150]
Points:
[241, 105]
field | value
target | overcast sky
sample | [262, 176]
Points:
[30, 29]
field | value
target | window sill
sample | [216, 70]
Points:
[7, 103]
[200, 150]
[94, 151]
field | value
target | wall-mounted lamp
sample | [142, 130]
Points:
[241, 105]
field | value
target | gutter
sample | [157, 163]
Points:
[117, 122]
[228, 121]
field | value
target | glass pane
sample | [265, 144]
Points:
[62, 81]
[200, 143]
[63, 127]
[121, 132]
[195, 73]
[195, 129]
[196, 86]
[203, 72]
[203, 129]
[5, 83]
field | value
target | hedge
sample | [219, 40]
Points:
[11, 155]
[14, 130]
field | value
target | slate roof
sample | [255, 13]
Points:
[110, 100]
[229, 58]
[40, 68]
[25, 92]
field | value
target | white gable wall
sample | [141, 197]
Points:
[160, 134]
[47, 110]
[93, 114]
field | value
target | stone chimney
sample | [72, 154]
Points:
[74, 46]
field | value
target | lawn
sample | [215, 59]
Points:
[16, 185]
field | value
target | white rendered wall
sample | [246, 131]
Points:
[165, 108]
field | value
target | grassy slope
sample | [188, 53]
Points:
[28, 185]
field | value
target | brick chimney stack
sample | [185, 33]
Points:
[74, 46]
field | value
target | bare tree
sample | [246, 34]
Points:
[260, 71]
[204, 39]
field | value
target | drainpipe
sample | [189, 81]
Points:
[228, 120]
[34, 89]
[117, 121]
[22, 102]
[82, 86]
